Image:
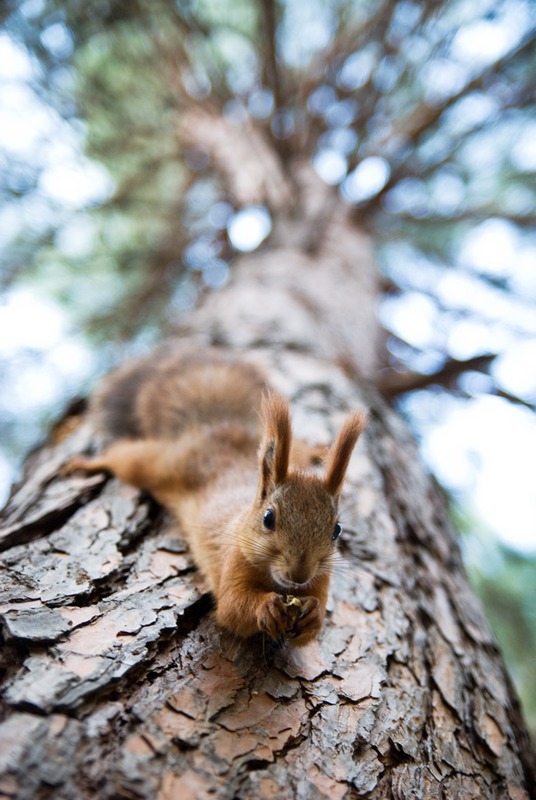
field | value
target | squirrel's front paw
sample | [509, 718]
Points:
[308, 623]
[275, 617]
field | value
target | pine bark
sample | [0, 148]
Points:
[116, 682]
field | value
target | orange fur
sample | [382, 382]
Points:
[338, 457]
[275, 449]
[259, 527]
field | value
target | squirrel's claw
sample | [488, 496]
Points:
[80, 464]
[309, 622]
[297, 619]
[276, 618]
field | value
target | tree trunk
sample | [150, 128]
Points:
[118, 684]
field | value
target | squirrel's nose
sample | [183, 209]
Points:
[300, 574]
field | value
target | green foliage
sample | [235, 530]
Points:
[505, 582]
[508, 593]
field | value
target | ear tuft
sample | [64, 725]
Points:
[339, 454]
[275, 448]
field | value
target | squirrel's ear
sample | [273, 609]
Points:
[275, 447]
[339, 454]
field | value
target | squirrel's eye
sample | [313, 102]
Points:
[337, 530]
[268, 519]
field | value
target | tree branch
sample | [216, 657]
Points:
[271, 75]
[470, 215]
[424, 117]
[392, 383]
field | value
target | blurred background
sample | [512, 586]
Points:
[420, 115]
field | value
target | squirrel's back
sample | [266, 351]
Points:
[162, 396]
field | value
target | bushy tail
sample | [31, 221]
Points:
[114, 404]
[162, 396]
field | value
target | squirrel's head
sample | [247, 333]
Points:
[294, 522]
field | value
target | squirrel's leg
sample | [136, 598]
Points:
[309, 621]
[245, 608]
[144, 463]
[244, 604]
[245, 613]
[312, 612]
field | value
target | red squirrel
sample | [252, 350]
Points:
[260, 526]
